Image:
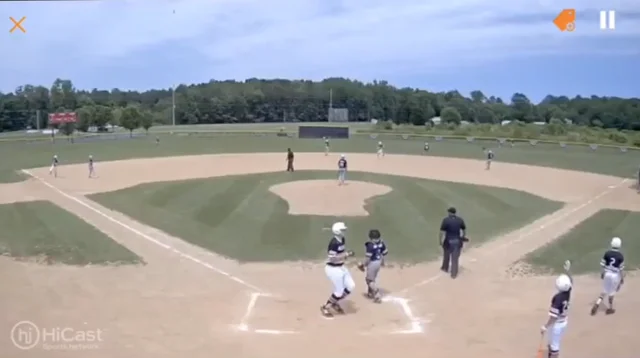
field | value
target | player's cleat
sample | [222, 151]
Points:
[377, 299]
[325, 312]
[337, 308]
[610, 311]
[594, 309]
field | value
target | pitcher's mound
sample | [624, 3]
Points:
[327, 198]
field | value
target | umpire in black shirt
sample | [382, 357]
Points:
[452, 237]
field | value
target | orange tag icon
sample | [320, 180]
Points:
[566, 20]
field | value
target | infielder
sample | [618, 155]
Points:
[335, 270]
[489, 159]
[54, 166]
[380, 149]
[326, 145]
[375, 251]
[612, 275]
[557, 321]
[92, 170]
[342, 169]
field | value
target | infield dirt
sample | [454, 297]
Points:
[188, 301]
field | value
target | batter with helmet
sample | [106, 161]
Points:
[336, 271]
[375, 251]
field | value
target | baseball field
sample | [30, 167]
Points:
[204, 246]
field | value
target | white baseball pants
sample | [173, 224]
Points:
[340, 279]
[555, 334]
[610, 283]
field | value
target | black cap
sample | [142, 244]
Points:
[451, 210]
[374, 234]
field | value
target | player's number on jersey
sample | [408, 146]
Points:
[565, 306]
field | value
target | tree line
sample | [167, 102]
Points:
[257, 100]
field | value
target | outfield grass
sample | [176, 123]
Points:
[45, 232]
[27, 155]
[587, 242]
[237, 216]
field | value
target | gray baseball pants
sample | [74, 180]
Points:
[451, 257]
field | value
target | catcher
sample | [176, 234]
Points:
[375, 251]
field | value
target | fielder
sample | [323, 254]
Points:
[92, 170]
[326, 145]
[557, 322]
[612, 275]
[335, 270]
[342, 169]
[54, 166]
[426, 147]
[375, 251]
[489, 159]
[380, 149]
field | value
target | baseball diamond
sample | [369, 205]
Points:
[223, 254]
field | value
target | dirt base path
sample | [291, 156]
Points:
[186, 300]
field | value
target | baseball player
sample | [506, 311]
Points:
[326, 145]
[92, 170]
[426, 147]
[380, 149]
[336, 271]
[375, 251]
[54, 166]
[342, 169]
[612, 275]
[557, 322]
[489, 159]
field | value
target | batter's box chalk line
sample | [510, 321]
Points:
[244, 325]
[416, 324]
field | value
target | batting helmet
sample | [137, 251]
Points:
[374, 234]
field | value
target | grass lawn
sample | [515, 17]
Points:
[39, 154]
[587, 242]
[42, 231]
[237, 216]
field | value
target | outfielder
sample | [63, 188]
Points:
[426, 147]
[380, 149]
[557, 321]
[375, 251]
[92, 170]
[54, 166]
[335, 270]
[326, 145]
[612, 276]
[490, 156]
[342, 169]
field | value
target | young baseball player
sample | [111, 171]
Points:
[375, 251]
[342, 169]
[326, 145]
[336, 271]
[92, 170]
[426, 147]
[489, 159]
[54, 166]
[557, 321]
[380, 149]
[612, 275]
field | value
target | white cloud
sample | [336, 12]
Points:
[296, 38]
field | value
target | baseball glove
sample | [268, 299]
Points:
[465, 239]
[350, 253]
[360, 266]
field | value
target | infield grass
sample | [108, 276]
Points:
[238, 217]
[44, 232]
[585, 244]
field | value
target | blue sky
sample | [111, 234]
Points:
[497, 46]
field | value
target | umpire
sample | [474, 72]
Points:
[452, 238]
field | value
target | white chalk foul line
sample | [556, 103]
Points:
[143, 235]
[415, 322]
[525, 235]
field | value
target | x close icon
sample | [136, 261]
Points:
[17, 24]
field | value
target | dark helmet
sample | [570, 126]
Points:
[374, 234]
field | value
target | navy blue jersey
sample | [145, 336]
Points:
[560, 305]
[55, 161]
[342, 163]
[612, 261]
[375, 250]
[335, 248]
[489, 155]
[90, 162]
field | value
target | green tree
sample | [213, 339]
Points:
[146, 120]
[450, 115]
[130, 119]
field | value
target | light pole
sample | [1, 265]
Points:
[173, 105]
